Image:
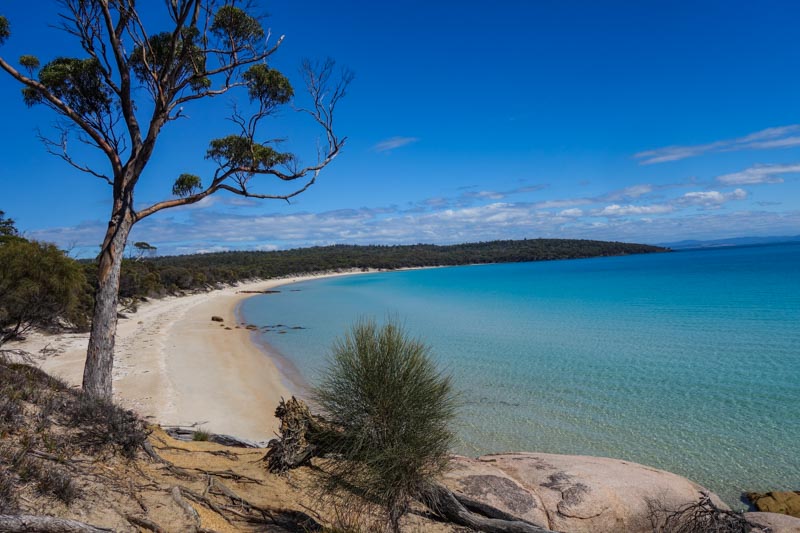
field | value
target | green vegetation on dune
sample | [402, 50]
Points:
[152, 277]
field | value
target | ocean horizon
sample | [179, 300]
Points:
[686, 361]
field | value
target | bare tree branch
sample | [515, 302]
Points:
[59, 149]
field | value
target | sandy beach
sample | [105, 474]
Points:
[175, 366]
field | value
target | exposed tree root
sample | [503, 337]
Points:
[178, 471]
[188, 510]
[144, 524]
[203, 500]
[230, 474]
[220, 453]
[45, 524]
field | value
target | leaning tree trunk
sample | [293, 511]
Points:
[100, 354]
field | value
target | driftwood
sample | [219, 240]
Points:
[45, 524]
[187, 434]
[295, 446]
[300, 440]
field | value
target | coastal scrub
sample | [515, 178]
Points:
[392, 409]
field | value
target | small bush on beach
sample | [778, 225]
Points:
[392, 409]
[201, 435]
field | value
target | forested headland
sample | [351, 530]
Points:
[171, 274]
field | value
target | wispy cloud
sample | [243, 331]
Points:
[616, 210]
[780, 137]
[759, 174]
[393, 143]
[711, 198]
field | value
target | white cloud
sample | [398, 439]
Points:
[711, 198]
[634, 191]
[780, 137]
[556, 204]
[616, 210]
[393, 143]
[574, 212]
[758, 174]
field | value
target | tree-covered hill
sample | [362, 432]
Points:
[160, 275]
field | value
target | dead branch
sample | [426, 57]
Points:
[696, 517]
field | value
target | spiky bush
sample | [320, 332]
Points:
[391, 409]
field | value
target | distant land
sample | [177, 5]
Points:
[734, 241]
[171, 274]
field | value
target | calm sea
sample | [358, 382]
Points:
[687, 361]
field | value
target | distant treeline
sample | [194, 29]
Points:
[163, 275]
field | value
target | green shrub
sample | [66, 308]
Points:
[201, 435]
[39, 285]
[392, 410]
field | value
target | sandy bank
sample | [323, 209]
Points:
[175, 366]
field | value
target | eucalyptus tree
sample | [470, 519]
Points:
[132, 81]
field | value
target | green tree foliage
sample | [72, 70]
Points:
[39, 284]
[5, 30]
[77, 82]
[186, 184]
[8, 231]
[392, 410]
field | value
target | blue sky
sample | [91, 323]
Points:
[637, 121]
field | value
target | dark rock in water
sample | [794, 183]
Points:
[258, 292]
[783, 502]
[251, 326]
[217, 319]
[297, 327]
[226, 327]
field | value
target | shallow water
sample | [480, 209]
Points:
[688, 361]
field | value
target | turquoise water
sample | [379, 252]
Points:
[688, 361]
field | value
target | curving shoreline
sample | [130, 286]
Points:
[175, 366]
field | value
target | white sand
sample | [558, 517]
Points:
[177, 367]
